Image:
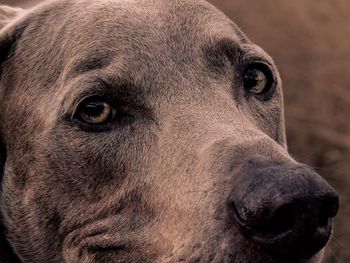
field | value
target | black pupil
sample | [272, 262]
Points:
[251, 78]
[95, 108]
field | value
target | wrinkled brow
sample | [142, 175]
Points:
[236, 52]
[93, 61]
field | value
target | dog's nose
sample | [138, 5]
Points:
[284, 208]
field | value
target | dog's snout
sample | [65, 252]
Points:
[285, 208]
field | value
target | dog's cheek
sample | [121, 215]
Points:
[82, 175]
[26, 210]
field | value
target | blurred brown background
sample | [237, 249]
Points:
[310, 42]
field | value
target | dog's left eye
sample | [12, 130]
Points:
[95, 110]
[257, 79]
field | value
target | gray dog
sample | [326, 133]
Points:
[148, 131]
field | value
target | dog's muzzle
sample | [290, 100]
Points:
[285, 208]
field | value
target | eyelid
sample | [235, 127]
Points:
[78, 104]
[265, 67]
[73, 99]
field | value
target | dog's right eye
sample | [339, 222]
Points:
[95, 111]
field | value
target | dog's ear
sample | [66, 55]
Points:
[7, 14]
[10, 28]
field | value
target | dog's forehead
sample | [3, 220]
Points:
[161, 15]
[142, 31]
[167, 26]
[143, 42]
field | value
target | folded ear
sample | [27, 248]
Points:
[7, 14]
[10, 28]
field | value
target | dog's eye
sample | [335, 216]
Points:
[95, 110]
[257, 79]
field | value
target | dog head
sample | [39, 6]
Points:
[148, 131]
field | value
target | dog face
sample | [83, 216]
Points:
[148, 131]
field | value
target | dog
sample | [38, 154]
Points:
[148, 131]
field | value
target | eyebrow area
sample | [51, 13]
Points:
[94, 61]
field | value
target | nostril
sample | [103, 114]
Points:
[282, 220]
[276, 221]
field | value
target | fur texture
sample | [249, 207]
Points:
[152, 186]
